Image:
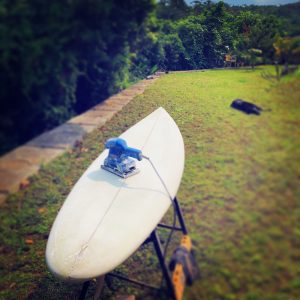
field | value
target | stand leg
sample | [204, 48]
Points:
[99, 287]
[159, 252]
[180, 216]
[84, 290]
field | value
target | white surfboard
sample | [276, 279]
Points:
[106, 218]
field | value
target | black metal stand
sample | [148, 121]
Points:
[153, 238]
[84, 290]
[179, 214]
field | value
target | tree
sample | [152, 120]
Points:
[175, 57]
[172, 9]
[61, 58]
[257, 32]
[191, 33]
[287, 51]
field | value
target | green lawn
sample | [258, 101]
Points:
[240, 192]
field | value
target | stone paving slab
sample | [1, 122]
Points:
[119, 99]
[11, 178]
[28, 155]
[129, 93]
[89, 119]
[88, 127]
[26, 160]
[61, 137]
[109, 106]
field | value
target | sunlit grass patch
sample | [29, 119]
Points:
[240, 190]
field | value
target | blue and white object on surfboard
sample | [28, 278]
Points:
[118, 160]
[105, 218]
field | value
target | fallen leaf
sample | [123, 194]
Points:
[29, 241]
[13, 284]
[24, 184]
[41, 210]
[40, 253]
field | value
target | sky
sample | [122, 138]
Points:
[255, 2]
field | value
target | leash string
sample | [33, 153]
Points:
[172, 201]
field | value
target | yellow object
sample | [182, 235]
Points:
[186, 242]
[179, 278]
[227, 57]
[178, 281]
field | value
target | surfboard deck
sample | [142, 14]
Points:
[105, 218]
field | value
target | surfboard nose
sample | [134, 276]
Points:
[58, 264]
[77, 262]
[64, 265]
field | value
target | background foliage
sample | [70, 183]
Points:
[59, 59]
